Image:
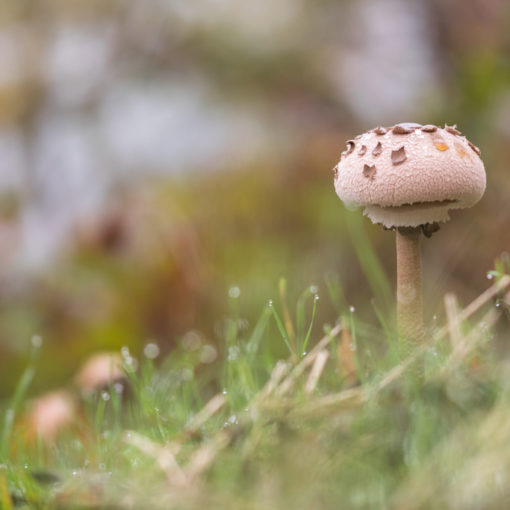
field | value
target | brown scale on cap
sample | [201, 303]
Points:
[475, 148]
[429, 128]
[377, 149]
[363, 150]
[380, 130]
[401, 130]
[350, 147]
[452, 129]
[405, 128]
[335, 172]
[398, 156]
[369, 172]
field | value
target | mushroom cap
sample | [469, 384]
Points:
[410, 175]
[99, 371]
[50, 413]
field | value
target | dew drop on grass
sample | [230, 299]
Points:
[316, 297]
[151, 351]
[186, 374]
[119, 388]
[191, 340]
[234, 292]
[270, 304]
[208, 354]
[36, 341]
[434, 318]
[105, 396]
[233, 420]
[352, 309]
[303, 353]
[243, 325]
[233, 353]
[490, 276]
[314, 289]
[224, 391]
[131, 362]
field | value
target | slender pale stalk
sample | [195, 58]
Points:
[409, 293]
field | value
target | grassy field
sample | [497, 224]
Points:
[166, 194]
[355, 419]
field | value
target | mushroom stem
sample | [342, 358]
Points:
[409, 293]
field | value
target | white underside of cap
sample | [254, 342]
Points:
[410, 215]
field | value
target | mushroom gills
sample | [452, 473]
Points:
[411, 215]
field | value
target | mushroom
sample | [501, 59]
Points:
[50, 414]
[99, 372]
[408, 179]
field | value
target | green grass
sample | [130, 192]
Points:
[277, 422]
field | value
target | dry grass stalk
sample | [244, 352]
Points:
[307, 361]
[280, 370]
[468, 343]
[203, 458]
[164, 456]
[316, 372]
[452, 316]
[352, 397]
[346, 355]
[500, 286]
[209, 410]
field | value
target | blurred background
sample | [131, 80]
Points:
[164, 163]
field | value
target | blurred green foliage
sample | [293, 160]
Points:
[160, 257]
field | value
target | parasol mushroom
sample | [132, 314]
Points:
[408, 177]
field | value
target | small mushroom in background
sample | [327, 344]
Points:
[50, 414]
[99, 372]
[408, 178]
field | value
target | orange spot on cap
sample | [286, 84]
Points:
[461, 151]
[441, 146]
